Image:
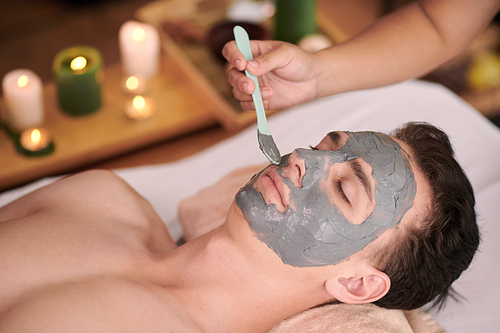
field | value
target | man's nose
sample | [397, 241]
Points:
[296, 168]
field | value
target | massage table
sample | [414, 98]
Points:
[475, 139]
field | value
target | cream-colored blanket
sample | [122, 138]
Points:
[207, 210]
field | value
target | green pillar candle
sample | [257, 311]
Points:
[78, 73]
[294, 19]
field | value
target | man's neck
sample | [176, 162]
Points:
[222, 291]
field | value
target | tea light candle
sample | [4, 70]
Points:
[78, 73]
[22, 91]
[35, 142]
[139, 108]
[135, 84]
[140, 48]
[35, 139]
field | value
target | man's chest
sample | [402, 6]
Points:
[40, 251]
[104, 304]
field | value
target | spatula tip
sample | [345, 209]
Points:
[269, 148]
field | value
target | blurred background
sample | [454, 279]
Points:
[32, 32]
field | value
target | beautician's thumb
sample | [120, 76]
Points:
[278, 58]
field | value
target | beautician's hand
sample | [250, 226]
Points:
[408, 43]
[287, 74]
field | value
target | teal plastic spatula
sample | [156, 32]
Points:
[266, 141]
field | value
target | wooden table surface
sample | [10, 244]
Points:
[109, 132]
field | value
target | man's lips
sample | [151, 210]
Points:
[273, 187]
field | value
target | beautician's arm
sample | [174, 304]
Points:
[405, 44]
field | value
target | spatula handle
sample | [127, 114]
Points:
[243, 44]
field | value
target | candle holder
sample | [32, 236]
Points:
[32, 142]
[78, 73]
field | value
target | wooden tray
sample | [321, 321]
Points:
[182, 106]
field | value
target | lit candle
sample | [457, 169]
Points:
[139, 108]
[140, 48]
[135, 84]
[22, 91]
[35, 142]
[78, 64]
[78, 73]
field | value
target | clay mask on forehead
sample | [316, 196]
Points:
[315, 232]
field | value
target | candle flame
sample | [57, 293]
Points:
[139, 102]
[132, 83]
[22, 81]
[36, 136]
[78, 63]
[138, 34]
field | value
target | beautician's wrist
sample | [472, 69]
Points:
[327, 82]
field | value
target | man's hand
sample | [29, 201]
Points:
[287, 74]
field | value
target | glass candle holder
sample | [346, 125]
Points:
[35, 142]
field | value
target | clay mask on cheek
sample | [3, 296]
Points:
[315, 232]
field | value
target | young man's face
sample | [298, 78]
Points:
[320, 206]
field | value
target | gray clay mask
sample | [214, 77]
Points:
[315, 232]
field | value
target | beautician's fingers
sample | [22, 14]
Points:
[249, 106]
[264, 54]
[241, 96]
[265, 92]
[238, 80]
[233, 55]
[243, 85]
[271, 55]
[246, 101]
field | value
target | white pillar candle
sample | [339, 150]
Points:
[22, 92]
[140, 48]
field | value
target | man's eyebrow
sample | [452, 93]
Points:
[358, 171]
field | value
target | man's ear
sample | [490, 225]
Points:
[366, 288]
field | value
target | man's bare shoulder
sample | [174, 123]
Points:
[85, 225]
[96, 187]
[105, 304]
[98, 200]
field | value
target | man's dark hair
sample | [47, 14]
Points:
[435, 250]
